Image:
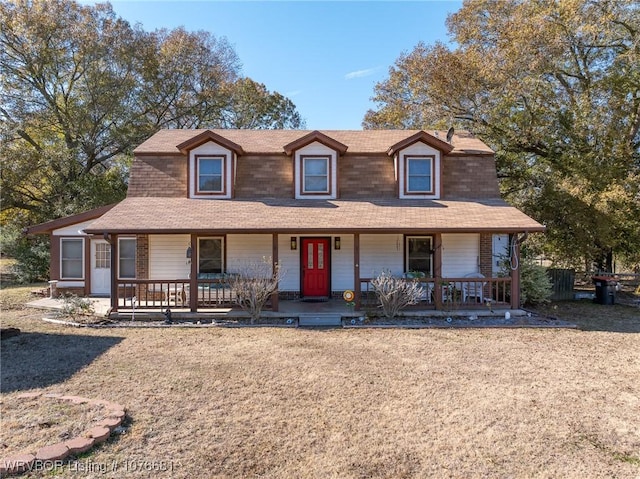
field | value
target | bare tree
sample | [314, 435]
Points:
[395, 293]
[253, 284]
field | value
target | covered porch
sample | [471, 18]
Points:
[179, 253]
[349, 261]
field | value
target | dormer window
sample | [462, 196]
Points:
[418, 165]
[210, 171]
[419, 171]
[418, 168]
[212, 165]
[315, 165]
[316, 174]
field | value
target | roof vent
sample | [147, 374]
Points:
[450, 133]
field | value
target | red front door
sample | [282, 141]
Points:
[315, 267]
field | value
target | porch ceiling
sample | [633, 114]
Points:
[182, 215]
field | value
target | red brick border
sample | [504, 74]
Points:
[100, 432]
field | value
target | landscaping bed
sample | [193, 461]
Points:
[97, 322]
[472, 321]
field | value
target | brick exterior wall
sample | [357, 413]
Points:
[142, 262]
[264, 177]
[469, 177]
[75, 290]
[164, 176]
[486, 251]
[366, 177]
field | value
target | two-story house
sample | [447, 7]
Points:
[332, 208]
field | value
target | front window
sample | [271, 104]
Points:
[315, 175]
[127, 258]
[210, 255]
[71, 258]
[210, 175]
[419, 254]
[419, 175]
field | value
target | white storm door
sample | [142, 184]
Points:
[500, 252]
[100, 267]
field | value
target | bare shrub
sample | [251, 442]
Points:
[253, 284]
[74, 307]
[395, 294]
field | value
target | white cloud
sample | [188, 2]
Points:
[361, 73]
[292, 93]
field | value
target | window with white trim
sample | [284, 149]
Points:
[210, 172]
[316, 174]
[127, 258]
[210, 255]
[419, 174]
[419, 254]
[103, 256]
[71, 258]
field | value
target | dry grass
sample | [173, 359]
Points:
[28, 425]
[6, 265]
[589, 316]
[269, 402]
[14, 297]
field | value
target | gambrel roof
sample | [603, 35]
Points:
[158, 214]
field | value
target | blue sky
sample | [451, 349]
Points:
[325, 56]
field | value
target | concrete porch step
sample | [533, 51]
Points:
[320, 319]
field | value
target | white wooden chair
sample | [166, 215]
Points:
[473, 289]
[177, 296]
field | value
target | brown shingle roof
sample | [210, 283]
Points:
[274, 141]
[49, 226]
[181, 215]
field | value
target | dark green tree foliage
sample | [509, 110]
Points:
[554, 88]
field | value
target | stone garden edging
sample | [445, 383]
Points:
[97, 434]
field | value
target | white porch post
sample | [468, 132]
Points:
[113, 239]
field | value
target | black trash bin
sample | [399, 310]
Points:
[605, 289]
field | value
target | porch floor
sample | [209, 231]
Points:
[287, 309]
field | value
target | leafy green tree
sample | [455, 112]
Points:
[80, 88]
[554, 88]
[187, 75]
[252, 106]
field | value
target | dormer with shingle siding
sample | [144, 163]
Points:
[315, 165]
[211, 165]
[321, 165]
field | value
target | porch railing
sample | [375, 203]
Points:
[162, 294]
[455, 293]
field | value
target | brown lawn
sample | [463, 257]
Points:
[268, 402]
[39, 422]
